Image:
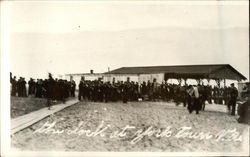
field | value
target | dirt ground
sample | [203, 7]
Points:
[23, 105]
[160, 124]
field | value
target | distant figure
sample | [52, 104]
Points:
[14, 86]
[190, 93]
[203, 96]
[24, 91]
[193, 99]
[197, 103]
[233, 98]
[32, 86]
[125, 91]
[243, 110]
[82, 89]
[144, 90]
[49, 90]
[39, 88]
[21, 87]
[154, 88]
[183, 94]
[72, 88]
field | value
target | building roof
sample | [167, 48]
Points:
[212, 71]
[83, 74]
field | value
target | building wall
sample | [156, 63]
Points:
[120, 77]
[117, 77]
[139, 78]
[134, 77]
[77, 77]
[145, 77]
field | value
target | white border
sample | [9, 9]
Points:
[5, 87]
[5, 76]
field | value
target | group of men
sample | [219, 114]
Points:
[193, 97]
[98, 90]
[18, 87]
[56, 89]
[198, 95]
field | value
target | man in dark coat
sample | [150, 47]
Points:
[39, 88]
[243, 111]
[14, 86]
[31, 86]
[190, 93]
[73, 88]
[183, 95]
[243, 108]
[143, 90]
[197, 101]
[80, 86]
[233, 98]
[49, 90]
[125, 91]
[203, 97]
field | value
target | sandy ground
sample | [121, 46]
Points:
[24, 105]
[151, 119]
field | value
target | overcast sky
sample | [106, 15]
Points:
[75, 37]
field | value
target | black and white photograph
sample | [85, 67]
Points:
[125, 78]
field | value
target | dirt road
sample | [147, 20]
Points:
[135, 126]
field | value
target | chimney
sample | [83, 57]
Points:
[91, 71]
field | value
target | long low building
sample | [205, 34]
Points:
[217, 72]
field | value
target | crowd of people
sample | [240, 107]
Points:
[192, 96]
[56, 89]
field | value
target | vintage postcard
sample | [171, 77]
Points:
[124, 78]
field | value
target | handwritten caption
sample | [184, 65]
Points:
[137, 135]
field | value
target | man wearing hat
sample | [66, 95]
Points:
[233, 98]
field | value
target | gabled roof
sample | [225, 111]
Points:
[213, 71]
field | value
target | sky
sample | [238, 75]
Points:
[74, 37]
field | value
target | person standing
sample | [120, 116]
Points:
[39, 88]
[190, 93]
[197, 102]
[202, 96]
[193, 99]
[107, 91]
[243, 110]
[183, 95]
[31, 90]
[143, 90]
[233, 98]
[73, 88]
[80, 86]
[13, 86]
[49, 90]
[125, 91]
[23, 88]
[19, 87]
[154, 90]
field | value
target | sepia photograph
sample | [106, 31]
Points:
[125, 78]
